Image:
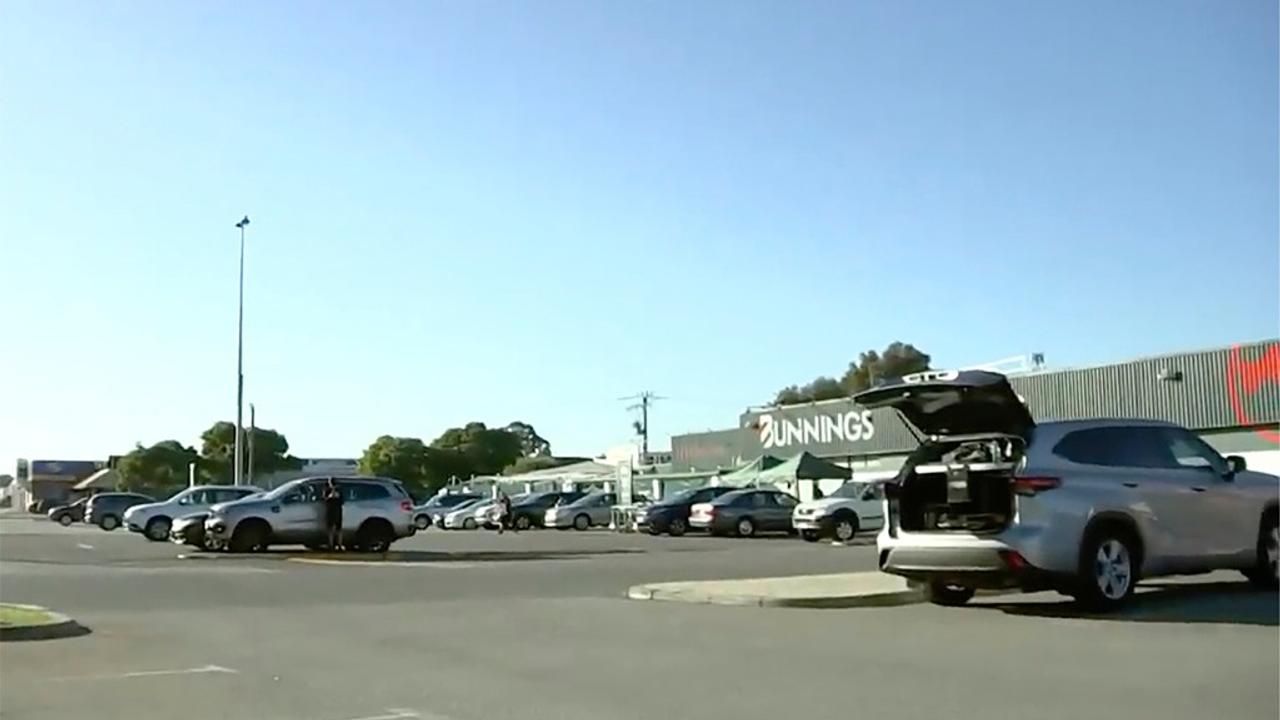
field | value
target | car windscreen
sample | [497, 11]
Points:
[851, 490]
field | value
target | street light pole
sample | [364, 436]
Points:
[239, 452]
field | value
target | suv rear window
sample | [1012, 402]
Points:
[1135, 447]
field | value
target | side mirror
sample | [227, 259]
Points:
[1236, 464]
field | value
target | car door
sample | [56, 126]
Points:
[783, 505]
[1166, 491]
[1220, 517]
[298, 516]
[765, 511]
[870, 507]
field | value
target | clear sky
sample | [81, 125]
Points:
[526, 210]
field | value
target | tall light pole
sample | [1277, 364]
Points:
[239, 459]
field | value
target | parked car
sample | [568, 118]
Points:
[376, 512]
[433, 511]
[671, 514]
[189, 529]
[531, 510]
[592, 509]
[467, 516]
[855, 507]
[745, 512]
[1088, 508]
[66, 514]
[106, 510]
[153, 519]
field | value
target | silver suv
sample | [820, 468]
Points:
[375, 513]
[1086, 508]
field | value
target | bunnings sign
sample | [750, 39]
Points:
[777, 430]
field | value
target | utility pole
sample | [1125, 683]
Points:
[253, 430]
[646, 399]
[238, 473]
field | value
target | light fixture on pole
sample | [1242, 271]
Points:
[238, 473]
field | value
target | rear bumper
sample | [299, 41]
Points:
[990, 567]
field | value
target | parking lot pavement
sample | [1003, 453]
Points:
[547, 633]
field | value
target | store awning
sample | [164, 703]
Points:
[104, 479]
[747, 474]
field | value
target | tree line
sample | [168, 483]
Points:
[459, 452]
[898, 359]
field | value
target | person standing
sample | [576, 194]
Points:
[333, 514]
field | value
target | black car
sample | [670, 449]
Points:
[532, 509]
[67, 514]
[746, 512]
[671, 515]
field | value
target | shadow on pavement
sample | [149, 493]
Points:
[1234, 603]
[420, 556]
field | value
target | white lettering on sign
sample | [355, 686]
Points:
[849, 427]
[931, 376]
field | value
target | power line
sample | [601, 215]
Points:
[646, 399]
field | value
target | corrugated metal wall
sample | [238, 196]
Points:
[1229, 387]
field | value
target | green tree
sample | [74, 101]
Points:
[486, 451]
[217, 452]
[423, 470]
[898, 359]
[157, 470]
[531, 443]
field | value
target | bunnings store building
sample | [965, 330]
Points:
[1230, 396]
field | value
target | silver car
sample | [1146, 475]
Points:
[375, 513]
[595, 509]
[1087, 508]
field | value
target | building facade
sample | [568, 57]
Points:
[1230, 396]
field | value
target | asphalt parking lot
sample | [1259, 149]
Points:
[473, 626]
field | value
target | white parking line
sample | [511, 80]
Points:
[82, 546]
[145, 673]
[392, 714]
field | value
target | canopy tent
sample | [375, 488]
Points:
[804, 466]
[585, 471]
[747, 474]
[104, 479]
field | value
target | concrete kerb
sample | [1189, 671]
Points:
[56, 626]
[849, 590]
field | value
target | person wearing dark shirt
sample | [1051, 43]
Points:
[333, 514]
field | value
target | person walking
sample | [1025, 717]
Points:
[333, 514]
[504, 511]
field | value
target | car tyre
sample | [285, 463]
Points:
[745, 527]
[109, 522]
[157, 529]
[582, 522]
[422, 522]
[523, 522]
[810, 535]
[249, 536]
[1264, 575]
[375, 536]
[65, 520]
[469, 524]
[677, 527]
[1108, 573]
[845, 527]
[940, 593]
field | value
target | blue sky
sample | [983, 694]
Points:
[498, 210]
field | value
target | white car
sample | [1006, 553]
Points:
[855, 507]
[464, 517]
[155, 519]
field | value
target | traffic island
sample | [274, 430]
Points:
[32, 622]
[844, 590]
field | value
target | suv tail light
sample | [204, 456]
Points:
[1035, 484]
[406, 505]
